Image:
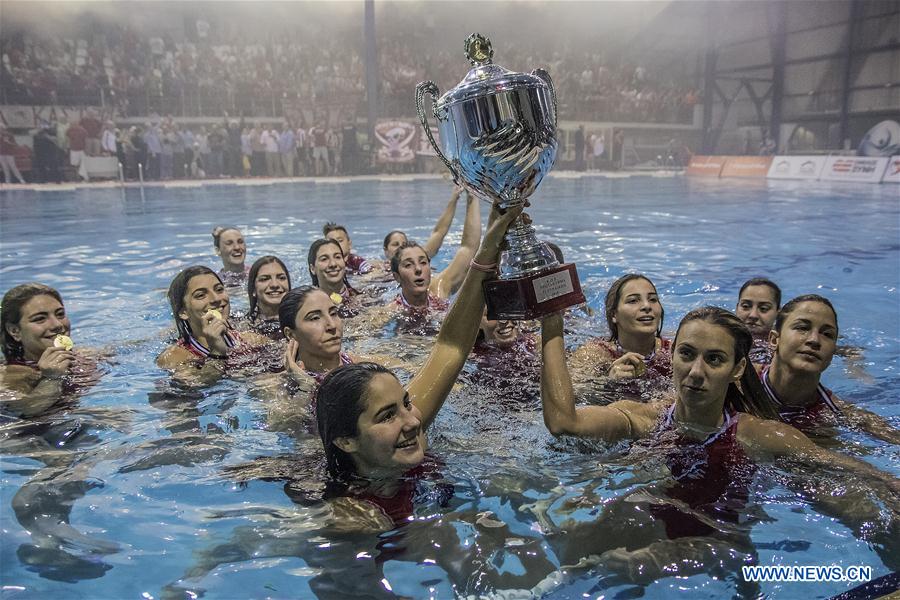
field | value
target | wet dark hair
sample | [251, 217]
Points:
[765, 282]
[340, 400]
[332, 226]
[387, 238]
[253, 311]
[750, 397]
[395, 259]
[177, 290]
[789, 307]
[612, 302]
[291, 303]
[218, 231]
[11, 314]
[311, 257]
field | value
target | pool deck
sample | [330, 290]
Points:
[259, 181]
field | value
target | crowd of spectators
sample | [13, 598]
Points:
[164, 149]
[138, 74]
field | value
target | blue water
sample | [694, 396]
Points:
[147, 472]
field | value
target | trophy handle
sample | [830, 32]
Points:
[429, 87]
[546, 77]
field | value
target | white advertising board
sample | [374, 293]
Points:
[868, 169]
[892, 175]
[796, 167]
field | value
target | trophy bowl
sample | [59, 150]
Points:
[497, 132]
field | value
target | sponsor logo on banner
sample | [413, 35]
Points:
[746, 166]
[892, 175]
[396, 141]
[855, 168]
[706, 166]
[796, 167]
[881, 140]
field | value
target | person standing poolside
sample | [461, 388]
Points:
[355, 264]
[77, 141]
[373, 429]
[635, 349]
[804, 341]
[207, 346]
[8, 156]
[267, 283]
[757, 306]
[41, 365]
[721, 417]
[230, 246]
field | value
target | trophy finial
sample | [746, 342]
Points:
[478, 49]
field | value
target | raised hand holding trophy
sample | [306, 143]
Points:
[498, 139]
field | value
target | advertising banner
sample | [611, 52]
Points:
[396, 141]
[796, 167]
[746, 166]
[706, 166]
[854, 168]
[892, 174]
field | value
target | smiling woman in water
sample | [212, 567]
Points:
[373, 428]
[207, 344]
[41, 363]
[635, 349]
[229, 244]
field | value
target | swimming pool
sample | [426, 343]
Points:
[145, 472]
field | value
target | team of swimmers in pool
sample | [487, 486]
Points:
[743, 383]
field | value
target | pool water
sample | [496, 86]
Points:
[173, 493]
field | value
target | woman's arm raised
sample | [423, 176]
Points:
[442, 226]
[449, 280]
[620, 420]
[431, 385]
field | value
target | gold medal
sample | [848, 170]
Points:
[63, 341]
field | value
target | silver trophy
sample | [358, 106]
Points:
[498, 139]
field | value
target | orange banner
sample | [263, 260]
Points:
[706, 166]
[746, 166]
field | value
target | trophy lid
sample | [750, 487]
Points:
[485, 78]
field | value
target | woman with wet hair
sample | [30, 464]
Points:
[804, 341]
[229, 244]
[311, 322]
[267, 284]
[635, 348]
[41, 364]
[720, 423]
[373, 428]
[207, 345]
[758, 302]
[328, 272]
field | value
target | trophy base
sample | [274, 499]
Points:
[533, 295]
